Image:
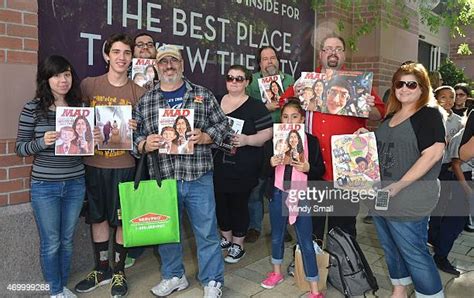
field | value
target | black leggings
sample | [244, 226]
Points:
[233, 212]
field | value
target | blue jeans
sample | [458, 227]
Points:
[407, 256]
[198, 198]
[256, 205]
[303, 229]
[56, 207]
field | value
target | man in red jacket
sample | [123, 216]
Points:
[324, 126]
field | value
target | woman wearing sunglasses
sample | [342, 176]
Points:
[410, 143]
[235, 175]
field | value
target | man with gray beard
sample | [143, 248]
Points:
[193, 172]
[268, 65]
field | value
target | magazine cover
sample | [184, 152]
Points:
[74, 125]
[113, 124]
[355, 161]
[236, 125]
[309, 89]
[346, 93]
[288, 141]
[335, 92]
[271, 88]
[175, 126]
[143, 71]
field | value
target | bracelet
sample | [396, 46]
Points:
[143, 147]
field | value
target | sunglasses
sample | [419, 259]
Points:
[410, 84]
[230, 78]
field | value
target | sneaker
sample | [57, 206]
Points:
[444, 265]
[272, 280]
[470, 225]
[252, 236]
[368, 219]
[291, 269]
[236, 252]
[315, 295]
[119, 285]
[129, 262]
[213, 289]
[60, 295]
[93, 280]
[225, 244]
[68, 293]
[168, 286]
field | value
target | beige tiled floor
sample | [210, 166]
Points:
[243, 279]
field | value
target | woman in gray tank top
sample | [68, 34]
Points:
[410, 143]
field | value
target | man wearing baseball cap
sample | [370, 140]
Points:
[193, 172]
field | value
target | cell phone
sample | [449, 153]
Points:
[382, 199]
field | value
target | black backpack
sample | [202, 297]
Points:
[348, 270]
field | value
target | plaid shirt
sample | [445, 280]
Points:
[208, 116]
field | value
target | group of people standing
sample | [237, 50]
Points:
[222, 192]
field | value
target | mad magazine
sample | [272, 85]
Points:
[271, 88]
[355, 161]
[288, 140]
[335, 92]
[175, 127]
[74, 127]
[112, 122]
[143, 71]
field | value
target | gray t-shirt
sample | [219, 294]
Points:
[453, 126]
[399, 148]
[453, 151]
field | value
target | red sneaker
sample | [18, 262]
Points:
[315, 295]
[272, 280]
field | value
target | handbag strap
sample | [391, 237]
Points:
[141, 164]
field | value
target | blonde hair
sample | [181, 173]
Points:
[421, 75]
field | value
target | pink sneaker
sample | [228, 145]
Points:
[317, 295]
[272, 280]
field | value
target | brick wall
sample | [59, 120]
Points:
[18, 31]
[14, 175]
[18, 45]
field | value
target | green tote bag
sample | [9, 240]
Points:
[149, 209]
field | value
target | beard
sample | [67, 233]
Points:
[170, 79]
[333, 61]
[271, 70]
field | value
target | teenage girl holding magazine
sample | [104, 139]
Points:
[309, 169]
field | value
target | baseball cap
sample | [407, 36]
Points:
[168, 50]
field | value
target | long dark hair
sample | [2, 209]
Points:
[299, 146]
[88, 128]
[48, 68]
[188, 126]
[278, 86]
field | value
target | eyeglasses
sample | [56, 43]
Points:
[332, 50]
[410, 84]
[230, 78]
[172, 60]
[461, 94]
[141, 45]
